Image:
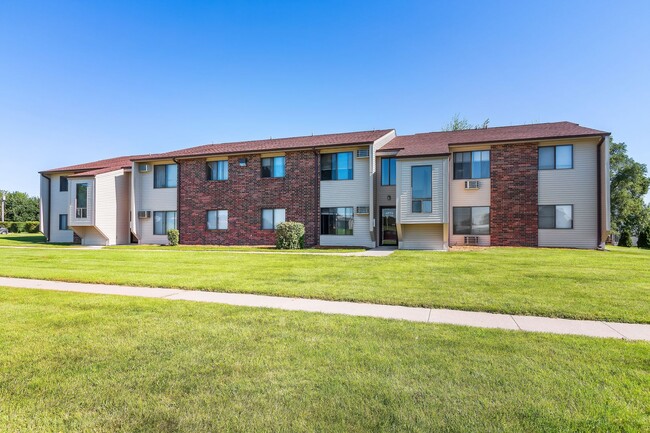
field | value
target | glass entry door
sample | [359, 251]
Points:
[388, 226]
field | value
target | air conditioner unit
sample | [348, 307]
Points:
[471, 240]
[472, 184]
[363, 153]
[143, 214]
[363, 210]
[144, 168]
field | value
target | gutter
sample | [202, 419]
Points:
[316, 195]
[178, 198]
[599, 192]
[49, 207]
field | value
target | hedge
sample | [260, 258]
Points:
[290, 236]
[21, 227]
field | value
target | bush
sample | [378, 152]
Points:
[625, 240]
[21, 227]
[644, 238]
[290, 236]
[32, 226]
[173, 236]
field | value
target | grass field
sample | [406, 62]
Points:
[613, 285]
[74, 362]
[27, 240]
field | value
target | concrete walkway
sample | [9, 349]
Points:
[589, 328]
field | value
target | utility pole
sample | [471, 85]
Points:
[4, 198]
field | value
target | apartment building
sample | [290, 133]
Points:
[527, 185]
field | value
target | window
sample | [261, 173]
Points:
[421, 189]
[555, 216]
[472, 165]
[218, 170]
[63, 222]
[336, 220]
[273, 167]
[82, 201]
[163, 221]
[165, 176]
[63, 184]
[217, 220]
[388, 171]
[271, 218]
[336, 166]
[556, 157]
[472, 220]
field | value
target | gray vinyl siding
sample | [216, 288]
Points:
[439, 191]
[152, 199]
[422, 237]
[577, 187]
[59, 204]
[350, 193]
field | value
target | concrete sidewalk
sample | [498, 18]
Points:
[589, 328]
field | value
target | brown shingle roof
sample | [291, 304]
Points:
[273, 144]
[95, 167]
[437, 143]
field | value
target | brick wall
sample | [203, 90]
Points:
[244, 195]
[513, 195]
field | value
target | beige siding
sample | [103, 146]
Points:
[112, 206]
[123, 186]
[460, 197]
[153, 199]
[577, 187]
[422, 237]
[349, 193]
[59, 204]
[439, 191]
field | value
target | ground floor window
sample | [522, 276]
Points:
[272, 217]
[472, 220]
[163, 221]
[336, 220]
[63, 222]
[559, 216]
[217, 220]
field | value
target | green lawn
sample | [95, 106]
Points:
[613, 285]
[75, 362]
[27, 240]
[222, 248]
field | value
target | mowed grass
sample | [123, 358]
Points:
[28, 240]
[224, 248]
[76, 362]
[612, 285]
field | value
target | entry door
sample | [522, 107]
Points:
[388, 226]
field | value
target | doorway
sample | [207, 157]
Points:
[388, 226]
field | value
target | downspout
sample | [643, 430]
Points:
[316, 196]
[178, 199]
[599, 162]
[49, 207]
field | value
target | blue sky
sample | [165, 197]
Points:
[82, 80]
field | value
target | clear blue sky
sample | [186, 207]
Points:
[82, 80]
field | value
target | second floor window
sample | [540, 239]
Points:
[273, 167]
[472, 165]
[63, 183]
[388, 171]
[336, 166]
[218, 170]
[165, 176]
[556, 157]
[421, 189]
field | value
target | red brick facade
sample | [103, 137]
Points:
[513, 195]
[244, 195]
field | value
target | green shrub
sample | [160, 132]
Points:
[625, 240]
[173, 237]
[32, 226]
[289, 235]
[644, 238]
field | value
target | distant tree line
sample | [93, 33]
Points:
[20, 207]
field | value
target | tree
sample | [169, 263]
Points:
[458, 124]
[20, 207]
[625, 240]
[629, 185]
[644, 238]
